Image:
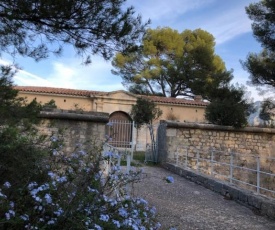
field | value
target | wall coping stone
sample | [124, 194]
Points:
[75, 115]
[174, 124]
[261, 205]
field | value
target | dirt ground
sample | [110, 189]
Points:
[185, 205]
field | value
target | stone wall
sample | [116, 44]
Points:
[74, 127]
[247, 140]
[176, 139]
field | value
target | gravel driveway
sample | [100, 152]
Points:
[185, 205]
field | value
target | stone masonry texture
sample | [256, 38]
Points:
[177, 140]
[74, 128]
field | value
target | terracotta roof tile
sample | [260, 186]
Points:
[179, 101]
[88, 93]
[51, 90]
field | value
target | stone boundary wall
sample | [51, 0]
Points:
[74, 127]
[259, 205]
[176, 135]
[175, 139]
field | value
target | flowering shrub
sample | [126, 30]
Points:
[76, 194]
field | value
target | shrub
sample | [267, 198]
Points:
[75, 194]
[229, 106]
[46, 188]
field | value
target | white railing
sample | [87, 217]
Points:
[245, 170]
[119, 135]
[115, 156]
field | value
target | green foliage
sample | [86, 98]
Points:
[262, 66]
[44, 187]
[61, 191]
[14, 109]
[75, 194]
[139, 89]
[21, 159]
[9, 104]
[267, 112]
[91, 27]
[139, 156]
[144, 112]
[50, 104]
[262, 14]
[172, 64]
[229, 107]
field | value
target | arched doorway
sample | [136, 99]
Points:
[120, 116]
[120, 130]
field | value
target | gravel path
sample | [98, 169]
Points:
[186, 205]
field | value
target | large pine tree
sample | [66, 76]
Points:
[261, 66]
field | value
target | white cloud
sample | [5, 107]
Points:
[24, 78]
[163, 10]
[68, 73]
[229, 25]
[225, 20]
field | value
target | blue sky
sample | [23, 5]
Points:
[226, 20]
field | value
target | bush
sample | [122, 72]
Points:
[75, 194]
[229, 107]
[46, 188]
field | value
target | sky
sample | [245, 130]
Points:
[225, 20]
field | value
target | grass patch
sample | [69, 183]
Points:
[138, 160]
[139, 156]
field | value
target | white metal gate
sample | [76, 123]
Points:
[152, 145]
[119, 133]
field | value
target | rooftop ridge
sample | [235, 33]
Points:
[88, 93]
[51, 90]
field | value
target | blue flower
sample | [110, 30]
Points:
[24, 217]
[48, 198]
[122, 212]
[62, 179]
[82, 152]
[104, 218]
[153, 211]
[55, 152]
[109, 123]
[116, 223]
[97, 227]
[108, 154]
[32, 185]
[142, 201]
[7, 184]
[169, 179]
[2, 195]
[51, 174]
[54, 139]
[7, 216]
[50, 222]
[59, 212]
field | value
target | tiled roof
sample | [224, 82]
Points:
[88, 93]
[51, 90]
[179, 101]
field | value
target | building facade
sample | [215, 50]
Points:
[117, 104]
